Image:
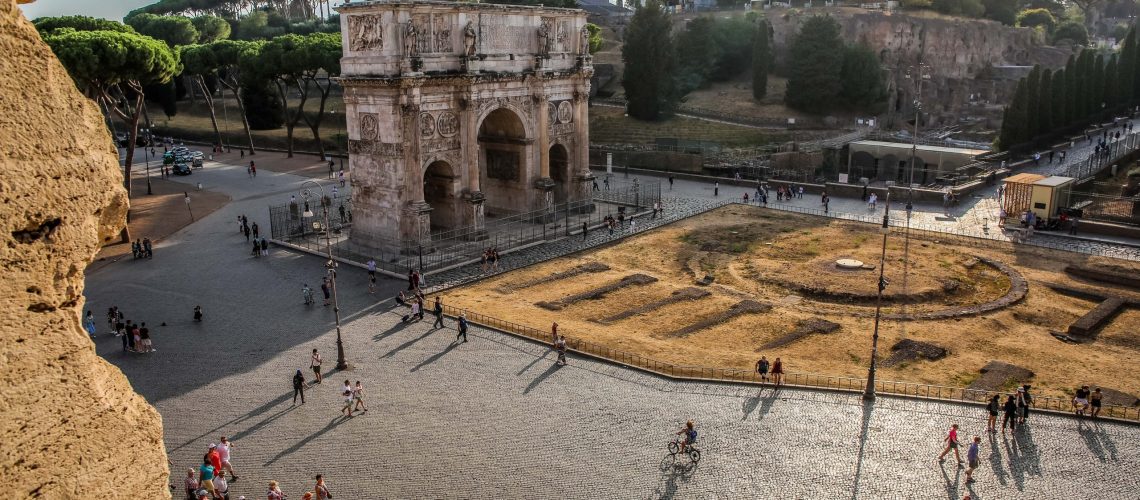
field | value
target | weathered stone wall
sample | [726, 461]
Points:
[959, 52]
[70, 424]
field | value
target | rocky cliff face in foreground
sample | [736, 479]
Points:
[70, 424]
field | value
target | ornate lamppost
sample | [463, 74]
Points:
[869, 391]
[330, 265]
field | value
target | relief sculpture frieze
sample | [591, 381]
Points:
[365, 32]
[447, 124]
[369, 126]
[376, 148]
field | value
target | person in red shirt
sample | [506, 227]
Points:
[214, 457]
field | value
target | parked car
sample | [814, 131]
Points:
[182, 168]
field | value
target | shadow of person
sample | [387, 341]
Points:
[951, 484]
[996, 462]
[1106, 441]
[765, 403]
[542, 376]
[301, 444]
[434, 357]
[673, 469]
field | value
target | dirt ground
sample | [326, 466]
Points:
[787, 261]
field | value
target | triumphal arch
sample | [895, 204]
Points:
[460, 111]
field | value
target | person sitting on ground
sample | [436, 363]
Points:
[690, 435]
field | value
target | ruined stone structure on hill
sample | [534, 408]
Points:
[459, 109]
[70, 424]
[969, 58]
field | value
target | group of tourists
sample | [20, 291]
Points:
[142, 249]
[211, 483]
[491, 260]
[774, 370]
[260, 244]
[1015, 410]
[1088, 401]
[136, 337]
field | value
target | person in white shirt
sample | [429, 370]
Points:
[224, 448]
[221, 487]
[346, 391]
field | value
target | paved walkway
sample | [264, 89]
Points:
[495, 418]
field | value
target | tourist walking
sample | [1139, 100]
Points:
[298, 386]
[274, 492]
[190, 484]
[762, 368]
[89, 323]
[225, 446]
[462, 327]
[206, 476]
[245, 229]
[716, 188]
[264, 247]
[415, 309]
[670, 182]
[325, 289]
[221, 487]
[1009, 415]
[778, 372]
[560, 346]
[972, 459]
[992, 407]
[346, 391]
[554, 333]
[1096, 400]
[1024, 402]
[1081, 400]
[438, 311]
[585, 229]
[951, 441]
[253, 228]
[315, 365]
[321, 489]
[358, 396]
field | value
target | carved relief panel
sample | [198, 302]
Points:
[369, 126]
[427, 125]
[365, 32]
[447, 124]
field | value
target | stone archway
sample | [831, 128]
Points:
[440, 185]
[888, 168]
[503, 161]
[560, 172]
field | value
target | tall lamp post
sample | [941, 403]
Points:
[330, 265]
[146, 154]
[917, 75]
[869, 391]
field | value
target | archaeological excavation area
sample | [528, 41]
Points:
[723, 288]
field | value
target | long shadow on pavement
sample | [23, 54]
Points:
[408, 344]
[542, 376]
[434, 357]
[300, 444]
[252, 413]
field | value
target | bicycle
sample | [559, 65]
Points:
[690, 450]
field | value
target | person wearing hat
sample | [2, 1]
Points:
[215, 458]
[191, 484]
[274, 492]
[202, 494]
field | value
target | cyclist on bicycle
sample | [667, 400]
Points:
[690, 435]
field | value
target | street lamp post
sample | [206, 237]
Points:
[146, 154]
[330, 265]
[917, 74]
[869, 391]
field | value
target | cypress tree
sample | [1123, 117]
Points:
[1059, 99]
[815, 60]
[1032, 102]
[761, 60]
[1100, 104]
[1072, 90]
[1013, 123]
[1111, 83]
[1126, 67]
[1084, 97]
[1045, 103]
[649, 80]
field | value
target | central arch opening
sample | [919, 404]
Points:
[502, 162]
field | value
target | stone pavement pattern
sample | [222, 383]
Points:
[495, 418]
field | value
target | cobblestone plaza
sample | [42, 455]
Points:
[494, 417]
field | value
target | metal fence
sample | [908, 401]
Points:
[1091, 163]
[288, 224]
[749, 376]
